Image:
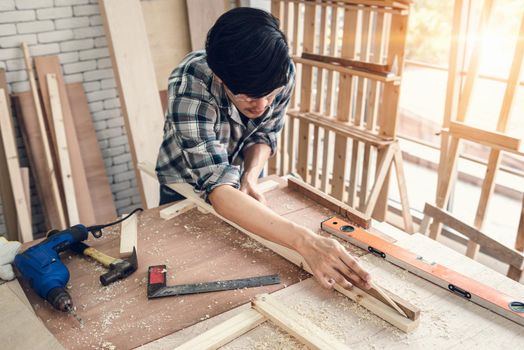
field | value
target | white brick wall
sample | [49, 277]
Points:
[73, 30]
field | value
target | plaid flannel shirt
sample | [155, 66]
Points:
[204, 136]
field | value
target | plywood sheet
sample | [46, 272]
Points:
[202, 15]
[138, 91]
[97, 180]
[50, 64]
[168, 33]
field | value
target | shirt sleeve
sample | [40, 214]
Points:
[269, 130]
[191, 147]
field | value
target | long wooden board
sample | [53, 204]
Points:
[62, 147]
[51, 65]
[13, 167]
[45, 177]
[6, 192]
[135, 77]
[462, 285]
[202, 14]
[97, 180]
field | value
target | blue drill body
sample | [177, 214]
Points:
[42, 267]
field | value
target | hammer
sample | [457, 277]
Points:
[118, 268]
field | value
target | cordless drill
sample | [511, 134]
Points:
[42, 267]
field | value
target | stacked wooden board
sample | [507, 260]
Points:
[62, 149]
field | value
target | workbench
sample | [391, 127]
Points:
[198, 247]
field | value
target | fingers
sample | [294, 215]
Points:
[351, 267]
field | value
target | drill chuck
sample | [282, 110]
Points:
[60, 299]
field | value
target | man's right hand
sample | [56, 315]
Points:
[331, 263]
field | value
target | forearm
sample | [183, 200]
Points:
[255, 217]
[255, 157]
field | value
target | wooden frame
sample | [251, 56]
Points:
[363, 128]
[455, 128]
[361, 297]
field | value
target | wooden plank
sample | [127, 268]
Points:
[24, 171]
[305, 92]
[225, 332]
[51, 65]
[21, 328]
[45, 177]
[267, 186]
[363, 64]
[167, 29]
[62, 147]
[403, 191]
[95, 170]
[495, 248]
[345, 94]
[6, 191]
[13, 166]
[329, 202]
[44, 164]
[380, 177]
[176, 209]
[326, 166]
[133, 67]
[513, 272]
[316, 147]
[202, 14]
[301, 328]
[359, 296]
[128, 236]
[493, 139]
[390, 78]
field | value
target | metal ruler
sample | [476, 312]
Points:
[157, 288]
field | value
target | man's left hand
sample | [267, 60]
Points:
[250, 187]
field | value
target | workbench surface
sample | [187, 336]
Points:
[198, 247]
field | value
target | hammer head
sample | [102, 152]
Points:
[120, 269]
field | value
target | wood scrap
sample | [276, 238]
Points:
[63, 150]
[301, 328]
[41, 154]
[128, 236]
[6, 191]
[225, 332]
[356, 294]
[176, 209]
[95, 170]
[13, 166]
[267, 186]
[51, 65]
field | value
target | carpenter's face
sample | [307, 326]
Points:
[252, 107]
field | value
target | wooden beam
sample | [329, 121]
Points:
[128, 236]
[495, 248]
[493, 139]
[63, 150]
[41, 150]
[138, 92]
[356, 294]
[176, 209]
[299, 327]
[329, 202]
[225, 332]
[51, 65]
[13, 166]
[24, 171]
[6, 191]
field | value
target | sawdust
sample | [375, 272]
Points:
[267, 336]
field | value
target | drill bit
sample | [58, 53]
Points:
[73, 313]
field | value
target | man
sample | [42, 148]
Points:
[226, 107]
